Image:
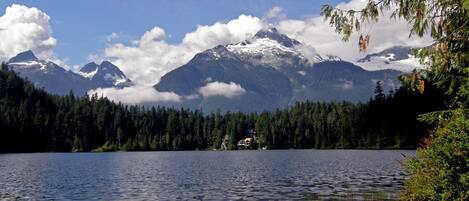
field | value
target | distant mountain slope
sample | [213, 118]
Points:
[397, 58]
[105, 75]
[57, 80]
[48, 75]
[271, 72]
[338, 80]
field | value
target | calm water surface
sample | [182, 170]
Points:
[203, 175]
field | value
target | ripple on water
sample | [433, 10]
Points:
[231, 175]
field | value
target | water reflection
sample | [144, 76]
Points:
[231, 175]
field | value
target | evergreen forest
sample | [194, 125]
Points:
[32, 120]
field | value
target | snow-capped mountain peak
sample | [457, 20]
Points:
[24, 57]
[89, 70]
[55, 79]
[273, 34]
[27, 60]
[259, 46]
[114, 74]
[274, 71]
[105, 73]
[272, 48]
[265, 42]
[89, 67]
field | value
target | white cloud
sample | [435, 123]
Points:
[319, 34]
[274, 15]
[147, 59]
[192, 97]
[274, 12]
[113, 37]
[24, 28]
[150, 57]
[223, 33]
[155, 34]
[94, 57]
[230, 90]
[347, 84]
[136, 95]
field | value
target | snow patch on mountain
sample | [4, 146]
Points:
[382, 63]
[88, 75]
[55, 79]
[260, 46]
[117, 79]
[396, 58]
[271, 48]
[29, 64]
[106, 73]
[301, 72]
[267, 72]
[27, 61]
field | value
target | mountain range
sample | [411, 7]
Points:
[270, 71]
[55, 79]
[398, 58]
[105, 75]
[265, 72]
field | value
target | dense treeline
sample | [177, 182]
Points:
[32, 120]
[440, 169]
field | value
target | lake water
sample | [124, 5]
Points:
[203, 175]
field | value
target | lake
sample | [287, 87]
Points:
[204, 175]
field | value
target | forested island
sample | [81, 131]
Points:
[32, 120]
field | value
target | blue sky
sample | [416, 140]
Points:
[158, 36]
[81, 27]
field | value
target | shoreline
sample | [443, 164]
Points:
[207, 150]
